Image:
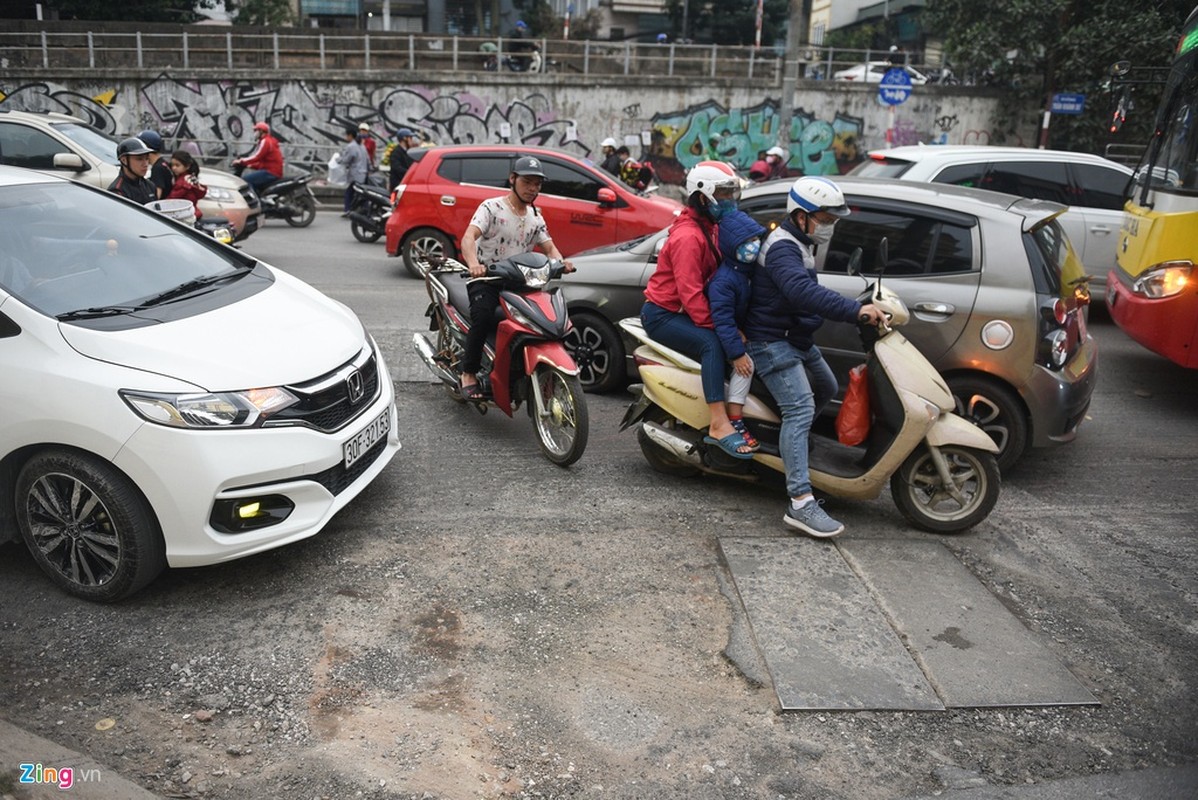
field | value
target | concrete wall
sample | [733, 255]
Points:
[669, 121]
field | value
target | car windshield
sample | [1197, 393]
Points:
[90, 140]
[73, 252]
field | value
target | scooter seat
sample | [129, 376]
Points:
[459, 295]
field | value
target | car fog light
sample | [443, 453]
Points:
[250, 513]
[223, 235]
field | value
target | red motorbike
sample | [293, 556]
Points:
[527, 361]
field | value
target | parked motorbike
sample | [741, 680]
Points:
[368, 212]
[941, 468]
[289, 199]
[526, 358]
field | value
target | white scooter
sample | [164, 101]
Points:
[941, 468]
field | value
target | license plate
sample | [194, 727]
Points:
[366, 438]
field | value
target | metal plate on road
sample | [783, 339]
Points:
[975, 652]
[846, 625]
[825, 641]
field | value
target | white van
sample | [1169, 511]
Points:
[168, 400]
[1090, 185]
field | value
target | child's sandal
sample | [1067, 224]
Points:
[743, 430]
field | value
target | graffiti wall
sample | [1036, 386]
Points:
[827, 135]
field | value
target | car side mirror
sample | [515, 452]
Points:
[70, 161]
[607, 197]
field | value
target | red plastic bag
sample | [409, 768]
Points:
[852, 422]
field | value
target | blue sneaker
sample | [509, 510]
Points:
[813, 520]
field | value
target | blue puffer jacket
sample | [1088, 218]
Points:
[728, 290]
[787, 302]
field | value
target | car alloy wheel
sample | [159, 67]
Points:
[87, 526]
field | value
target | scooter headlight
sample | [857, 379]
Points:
[535, 278]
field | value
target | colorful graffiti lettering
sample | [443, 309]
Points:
[817, 147]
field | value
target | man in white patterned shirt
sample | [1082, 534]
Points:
[502, 227]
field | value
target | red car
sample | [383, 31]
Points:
[583, 206]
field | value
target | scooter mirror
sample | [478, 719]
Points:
[883, 258]
[854, 267]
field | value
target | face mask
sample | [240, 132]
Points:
[721, 209]
[822, 233]
[747, 252]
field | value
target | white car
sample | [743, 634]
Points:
[1090, 185]
[67, 146]
[167, 399]
[873, 72]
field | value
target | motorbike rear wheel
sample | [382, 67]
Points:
[302, 213]
[928, 504]
[362, 233]
[562, 423]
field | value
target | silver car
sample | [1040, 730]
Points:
[1090, 185]
[992, 282]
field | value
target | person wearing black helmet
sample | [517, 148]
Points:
[160, 168]
[135, 163]
[501, 227]
[399, 158]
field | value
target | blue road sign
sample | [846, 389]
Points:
[895, 87]
[1064, 103]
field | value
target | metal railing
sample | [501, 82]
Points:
[287, 50]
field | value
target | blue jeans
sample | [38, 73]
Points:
[676, 331]
[258, 178]
[802, 383]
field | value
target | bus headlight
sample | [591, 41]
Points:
[1164, 280]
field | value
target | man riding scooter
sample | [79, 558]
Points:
[786, 307]
[265, 162]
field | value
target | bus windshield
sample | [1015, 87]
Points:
[1171, 162]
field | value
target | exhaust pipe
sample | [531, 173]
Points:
[425, 351]
[366, 222]
[673, 443]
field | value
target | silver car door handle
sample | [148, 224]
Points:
[939, 309]
[1103, 229]
[448, 200]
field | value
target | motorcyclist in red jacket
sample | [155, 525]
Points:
[265, 162]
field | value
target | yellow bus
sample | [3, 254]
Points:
[1152, 293]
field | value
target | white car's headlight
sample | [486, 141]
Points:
[217, 410]
[221, 195]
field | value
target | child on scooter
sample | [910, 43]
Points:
[187, 184]
[728, 297]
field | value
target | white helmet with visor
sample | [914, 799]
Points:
[812, 195]
[709, 177]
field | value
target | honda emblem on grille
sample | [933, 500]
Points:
[353, 385]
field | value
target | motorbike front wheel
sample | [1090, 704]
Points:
[302, 211]
[362, 233]
[561, 417]
[928, 503]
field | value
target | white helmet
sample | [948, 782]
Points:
[813, 194]
[609, 142]
[708, 176]
[776, 151]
